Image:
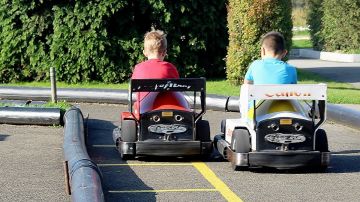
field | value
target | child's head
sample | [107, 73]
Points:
[273, 45]
[155, 44]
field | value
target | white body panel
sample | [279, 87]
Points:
[294, 93]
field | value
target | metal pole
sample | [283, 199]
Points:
[53, 85]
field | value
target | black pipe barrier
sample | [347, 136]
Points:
[71, 95]
[213, 102]
[85, 176]
[30, 115]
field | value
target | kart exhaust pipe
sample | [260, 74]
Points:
[221, 145]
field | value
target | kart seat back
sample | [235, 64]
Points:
[268, 108]
[163, 100]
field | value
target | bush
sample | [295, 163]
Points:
[341, 25]
[102, 40]
[247, 22]
[24, 33]
[314, 21]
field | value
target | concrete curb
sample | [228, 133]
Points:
[336, 113]
[323, 55]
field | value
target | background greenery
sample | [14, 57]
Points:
[247, 22]
[102, 40]
[335, 25]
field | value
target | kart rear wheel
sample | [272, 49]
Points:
[203, 131]
[128, 131]
[321, 141]
[126, 157]
[240, 141]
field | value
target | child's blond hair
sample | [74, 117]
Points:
[155, 42]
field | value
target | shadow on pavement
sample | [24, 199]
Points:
[3, 137]
[346, 161]
[342, 74]
[115, 178]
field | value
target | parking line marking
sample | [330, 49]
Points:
[162, 190]
[219, 185]
[144, 164]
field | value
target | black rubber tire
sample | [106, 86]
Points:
[321, 141]
[240, 141]
[128, 131]
[203, 131]
[223, 126]
[126, 156]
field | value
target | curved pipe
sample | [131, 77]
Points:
[85, 176]
[30, 115]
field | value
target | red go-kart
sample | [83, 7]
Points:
[167, 121]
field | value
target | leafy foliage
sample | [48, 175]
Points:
[247, 21]
[334, 25]
[341, 25]
[314, 21]
[102, 40]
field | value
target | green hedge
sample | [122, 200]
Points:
[341, 25]
[248, 20]
[314, 21]
[335, 25]
[102, 40]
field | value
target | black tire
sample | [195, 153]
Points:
[240, 141]
[128, 131]
[203, 131]
[223, 126]
[321, 141]
[126, 157]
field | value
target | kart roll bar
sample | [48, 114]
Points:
[163, 85]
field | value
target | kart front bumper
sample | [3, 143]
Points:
[166, 148]
[280, 159]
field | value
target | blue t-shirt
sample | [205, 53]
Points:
[271, 71]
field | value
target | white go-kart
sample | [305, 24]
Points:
[279, 127]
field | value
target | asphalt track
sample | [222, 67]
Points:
[159, 179]
[32, 170]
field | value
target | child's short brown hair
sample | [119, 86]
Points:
[155, 42]
[273, 41]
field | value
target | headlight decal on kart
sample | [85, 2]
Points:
[285, 138]
[167, 128]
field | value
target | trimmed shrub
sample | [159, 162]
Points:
[247, 21]
[314, 17]
[341, 25]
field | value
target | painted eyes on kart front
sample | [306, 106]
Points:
[178, 117]
[156, 118]
[275, 127]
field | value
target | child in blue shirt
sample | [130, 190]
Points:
[271, 69]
